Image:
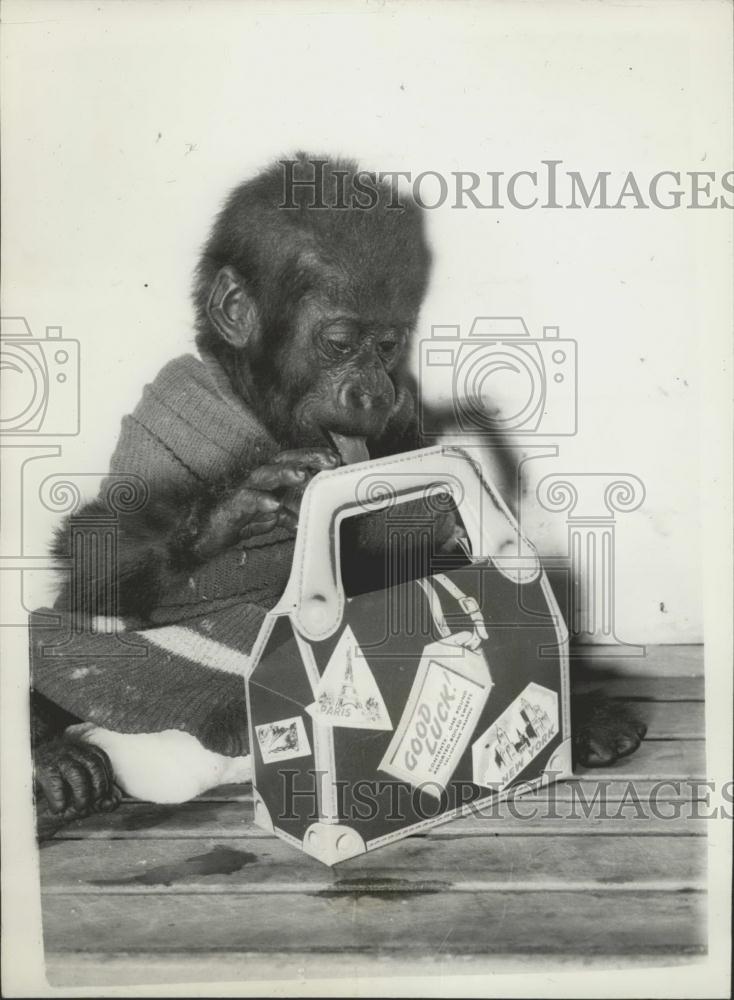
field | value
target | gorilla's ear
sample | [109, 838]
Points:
[232, 311]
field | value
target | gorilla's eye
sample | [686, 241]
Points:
[339, 340]
[389, 344]
[339, 345]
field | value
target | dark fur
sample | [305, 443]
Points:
[603, 730]
[156, 547]
[376, 262]
[373, 263]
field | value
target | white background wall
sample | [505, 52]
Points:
[125, 125]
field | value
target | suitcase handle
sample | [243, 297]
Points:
[314, 596]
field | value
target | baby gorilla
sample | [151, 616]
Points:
[304, 321]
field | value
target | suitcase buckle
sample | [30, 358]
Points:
[468, 605]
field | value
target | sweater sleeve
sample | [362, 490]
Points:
[163, 474]
[140, 452]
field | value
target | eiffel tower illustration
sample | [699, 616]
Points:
[348, 698]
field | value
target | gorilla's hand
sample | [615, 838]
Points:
[269, 497]
[448, 532]
[74, 777]
[603, 730]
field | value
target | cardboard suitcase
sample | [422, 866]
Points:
[377, 715]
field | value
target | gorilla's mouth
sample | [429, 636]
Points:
[351, 449]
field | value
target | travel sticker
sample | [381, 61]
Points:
[516, 737]
[347, 694]
[450, 690]
[282, 740]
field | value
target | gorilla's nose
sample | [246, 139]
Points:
[355, 397]
[364, 401]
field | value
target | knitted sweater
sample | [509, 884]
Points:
[184, 670]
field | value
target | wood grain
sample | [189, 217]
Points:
[417, 864]
[590, 923]
[643, 688]
[105, 968]
[196, 892]
[658, 661]
[673, 720]
[572, 811]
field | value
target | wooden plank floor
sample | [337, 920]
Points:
[198, 893]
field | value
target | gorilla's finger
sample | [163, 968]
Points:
[111, 800]
[259, 525]
[596, 754]
[267, 504]
[246, 502]
[315, 459]
[287, 519]
[627, 744]
[76, 776]
[99, 771]
[106, 763]
[452, 542]
[54, 790]
[274, 477]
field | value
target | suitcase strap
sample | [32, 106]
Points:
[468, 605]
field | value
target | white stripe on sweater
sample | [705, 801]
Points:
[198, 648]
